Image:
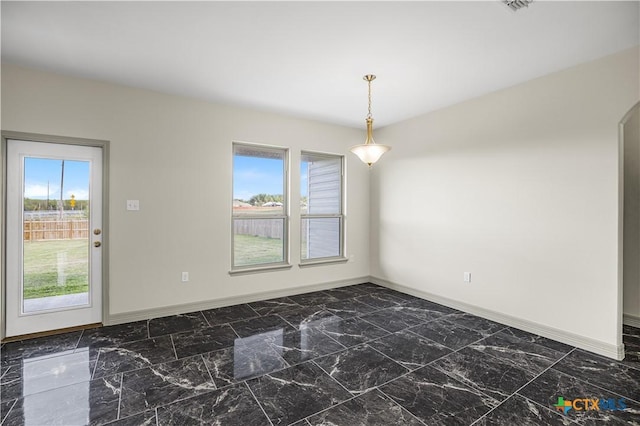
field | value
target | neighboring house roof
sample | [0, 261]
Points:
[238, 203]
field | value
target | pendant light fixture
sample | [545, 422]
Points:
[369, 152]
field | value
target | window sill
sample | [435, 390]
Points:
[323, 262]
[258, 269]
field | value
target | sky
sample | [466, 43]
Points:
[251, 176]
[254, 175]
[39, 171]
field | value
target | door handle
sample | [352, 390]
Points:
[97, 243]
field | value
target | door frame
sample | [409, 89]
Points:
[64, 140]
[621, 320]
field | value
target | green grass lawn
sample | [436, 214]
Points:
[41, 260]
[251, 250]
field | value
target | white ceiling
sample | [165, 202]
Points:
[307, 58]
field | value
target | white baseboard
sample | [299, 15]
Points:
[592, 345]
[228, 301]
[586, 343]
[631, 320]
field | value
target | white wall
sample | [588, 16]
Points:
[518, 187]
[631, 295]
[174, 155]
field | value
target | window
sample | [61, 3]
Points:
[260, 221]
[321, 234]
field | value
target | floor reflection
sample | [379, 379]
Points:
[55, 371]
[56, 388]
[255, 355]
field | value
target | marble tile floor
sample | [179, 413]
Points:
[358, 355]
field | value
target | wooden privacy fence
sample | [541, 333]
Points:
[41, 230]
[270, 228]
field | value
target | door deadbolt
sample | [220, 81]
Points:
[97, 243]
[97, 231]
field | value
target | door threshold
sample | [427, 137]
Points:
[51, 332]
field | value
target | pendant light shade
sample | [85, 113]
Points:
[369, 152]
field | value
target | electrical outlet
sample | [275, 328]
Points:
[467, 277]
[185, 277]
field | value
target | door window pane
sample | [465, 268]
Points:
[55, 234]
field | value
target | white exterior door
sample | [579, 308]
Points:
[54, 236]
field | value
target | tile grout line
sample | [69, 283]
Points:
[376, 308]
[408, 330]
[236, 333]
[545, 408]
[316, 357]
[145, 366]
[288, 323]
[375, 325]
[95, 366]
[7, 371]
[124, 342]
[208, 371]
[490, 411]
[205, 319]
[469, 346]
[401, 407]
[120, 396]
[15, 401]
[255, 398]
[336, 405]
[532, 343]
[276, 352]
[473, 329]
[525, 385]
[79, 339]
[331, 338]
[453, 350]
[228, 324]
[173, 345]
[253, 309]
[103, 378]
[562, 373]
[577, 350]
[629, 364]
[181, 399]
[332, 378]
[387, 356]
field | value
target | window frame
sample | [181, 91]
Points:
[340, 215]
[284, 215]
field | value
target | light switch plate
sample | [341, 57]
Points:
[133, 204]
